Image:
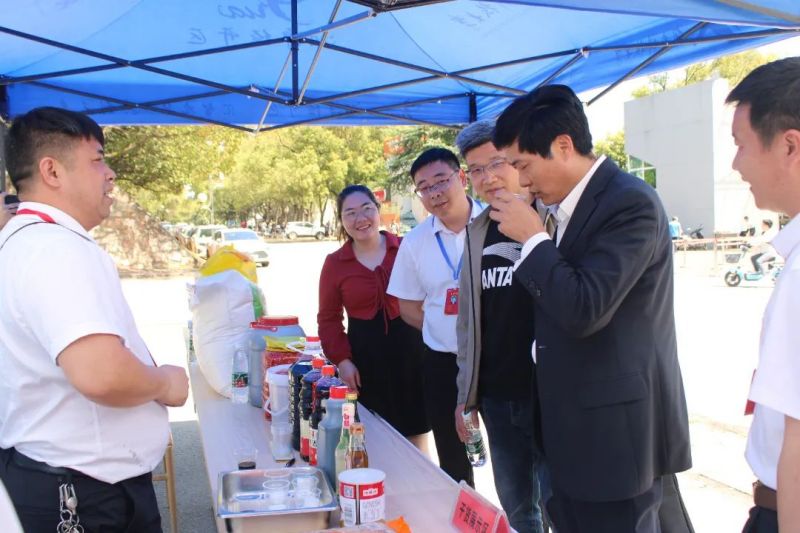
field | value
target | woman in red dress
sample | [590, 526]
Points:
[379, 354]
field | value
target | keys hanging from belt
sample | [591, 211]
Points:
[68, 508]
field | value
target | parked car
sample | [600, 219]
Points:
[246, 241]
[202, 235]
[303, 229]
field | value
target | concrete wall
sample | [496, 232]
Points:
[686, 134]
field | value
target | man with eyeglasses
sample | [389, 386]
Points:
[614, 422]
[425, 280]
[495, 333]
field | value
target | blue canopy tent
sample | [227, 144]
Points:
[265, 64]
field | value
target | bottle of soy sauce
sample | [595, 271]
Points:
[307, 404]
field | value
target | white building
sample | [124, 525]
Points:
[685, 134]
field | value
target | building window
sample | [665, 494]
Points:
[642, 170]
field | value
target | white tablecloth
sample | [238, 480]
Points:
[415, 487]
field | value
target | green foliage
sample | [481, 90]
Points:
[732, 67]
[407, 143]
[613, 146]
[157, 165]
[181, 173]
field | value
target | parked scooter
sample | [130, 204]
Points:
[738, 274]
[692, 239]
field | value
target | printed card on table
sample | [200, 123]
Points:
[475, 514]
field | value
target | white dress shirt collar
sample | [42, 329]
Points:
[567, 206]
[476, 208]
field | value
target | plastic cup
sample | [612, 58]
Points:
[307, 498]
[304, 482]
[277, 491]
[246, 457]
[281, 443]
[282, 474]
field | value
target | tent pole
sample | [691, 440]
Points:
[374, 110]
[560, 71]
[295, 56]
[473, 108]
[3, 133]
[275, 90]
[762, 10]
[649, 60]
[150, 103]
[317, 53]
[134, 105]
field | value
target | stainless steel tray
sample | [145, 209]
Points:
[241, 494]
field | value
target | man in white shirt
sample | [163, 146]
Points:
[83, 417]
[766, 130]
[763, 251]
[614, 423]
[425, 280]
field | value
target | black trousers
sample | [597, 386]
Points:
[635, 515]
[129, 506]
[441, 393]
[672, 515]
[761, 521]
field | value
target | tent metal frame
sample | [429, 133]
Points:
[296, 97]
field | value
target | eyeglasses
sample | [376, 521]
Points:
[367, 211]
[442, 184]
[493, 168]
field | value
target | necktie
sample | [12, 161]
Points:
[550, 225]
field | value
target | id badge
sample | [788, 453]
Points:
[451, 302]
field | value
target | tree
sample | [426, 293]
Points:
[407, 144]
[159, 165]
[732, 67]
[613, 146]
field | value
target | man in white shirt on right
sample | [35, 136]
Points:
[766, 130]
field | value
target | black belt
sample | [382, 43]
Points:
[23, 461]
[437, 352]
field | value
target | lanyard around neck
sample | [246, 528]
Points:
[455, 270]
[49, 220]
[44, 216]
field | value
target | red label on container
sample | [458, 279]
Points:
[371, 490]
[312, 448]
[362, 503]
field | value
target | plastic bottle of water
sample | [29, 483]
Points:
[476, 452]
[239, 376]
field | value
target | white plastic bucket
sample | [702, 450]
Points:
[278, 402]
[361, 495]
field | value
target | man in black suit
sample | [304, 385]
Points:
[614, 423]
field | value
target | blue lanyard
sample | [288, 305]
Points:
[454, 270]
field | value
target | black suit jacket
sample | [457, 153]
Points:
[613, 412]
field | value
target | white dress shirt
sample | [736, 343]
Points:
[776, 384]
[563, 213]
[421, 273]
[59, 286]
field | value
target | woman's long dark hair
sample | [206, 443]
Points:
[347, 191]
